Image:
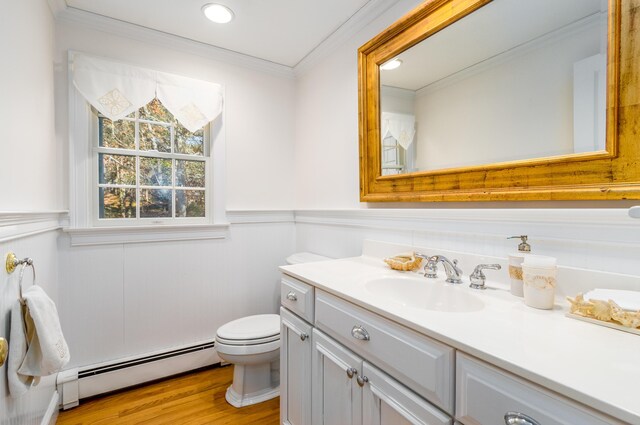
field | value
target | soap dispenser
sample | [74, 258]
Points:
[515, 265]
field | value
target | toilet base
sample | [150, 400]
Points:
[234, 399]
[254, 383]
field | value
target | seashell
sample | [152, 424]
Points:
[630, 319]
[601, 310]
[405, 261]
[580, 306]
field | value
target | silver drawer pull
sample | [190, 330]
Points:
[351, 371]
[358, 332]
[291, 296]
[362, 380]
[303, 336]
[516, 418]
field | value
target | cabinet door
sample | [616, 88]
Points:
[336, 396]
[295, 369]
[387, 402]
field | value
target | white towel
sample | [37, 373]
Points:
[18, 384]
[40, 348]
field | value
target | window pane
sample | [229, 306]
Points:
[190, 203]
[117, 203]
[117, 134]
[155, 111]
[116, 169]
[189, 143]
[189, 173]
[155, 172]
[155, 137]
[155, 203]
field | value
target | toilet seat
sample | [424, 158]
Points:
[255, 341]
[250, 328]
[242, 350]
[249, 335]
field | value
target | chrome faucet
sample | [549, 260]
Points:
[477, 278]
[430, 269]
[454, 274]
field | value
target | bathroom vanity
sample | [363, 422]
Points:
[363, 344]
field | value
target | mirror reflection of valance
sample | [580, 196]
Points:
[401, 127]
[116, 90]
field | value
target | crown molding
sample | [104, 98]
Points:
[81, 18]
[363, 17]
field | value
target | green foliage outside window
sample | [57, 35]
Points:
[150, 166]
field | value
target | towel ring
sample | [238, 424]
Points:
[10, 265]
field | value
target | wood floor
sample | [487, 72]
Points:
[193, 399]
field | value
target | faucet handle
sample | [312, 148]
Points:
[477, 278]
[431, 270]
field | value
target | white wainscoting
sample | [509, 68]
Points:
[600, 239]
[130, 299]
[27, 235]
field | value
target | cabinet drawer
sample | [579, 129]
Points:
[297, 296]
[420, 363]
[386, 401]
[484, 394]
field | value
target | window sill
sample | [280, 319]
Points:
[142, 234]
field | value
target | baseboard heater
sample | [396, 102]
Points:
[76, 384]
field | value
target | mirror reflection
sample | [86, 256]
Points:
[514, 80]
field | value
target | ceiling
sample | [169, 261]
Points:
[279, 31]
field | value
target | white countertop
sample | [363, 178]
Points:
[595, 365]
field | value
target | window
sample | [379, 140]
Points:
[150, 168]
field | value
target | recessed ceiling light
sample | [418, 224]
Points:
[217, 13]
[392, 64]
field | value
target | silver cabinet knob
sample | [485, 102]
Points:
[517, 418]
[291, 296]
[351, 371]
[362, 380]
[358, 332]
[303, 336]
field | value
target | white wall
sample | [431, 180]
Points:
[258, 110]
[30, 408]
[29, 172]
[330, 219]
[28, 167]
[132, 299]
[326, 123]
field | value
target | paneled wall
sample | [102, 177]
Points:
[605, 239]
[30, 408]
[133, 299]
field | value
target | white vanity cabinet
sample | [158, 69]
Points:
[295, 353]
[348, 390]
[349, 365]
[485, 394]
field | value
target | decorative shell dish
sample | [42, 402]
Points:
[406, 261]
[604, 311]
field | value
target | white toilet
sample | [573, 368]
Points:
[252, 345]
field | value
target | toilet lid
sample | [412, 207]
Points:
[251, 328]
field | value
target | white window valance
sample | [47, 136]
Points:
[116, 90]
[401, 127]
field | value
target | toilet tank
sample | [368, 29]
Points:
[305, 257]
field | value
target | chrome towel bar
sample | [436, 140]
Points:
[12, 262]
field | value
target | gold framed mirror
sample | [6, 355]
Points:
[463, 31]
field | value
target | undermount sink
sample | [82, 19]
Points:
[424, 294]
